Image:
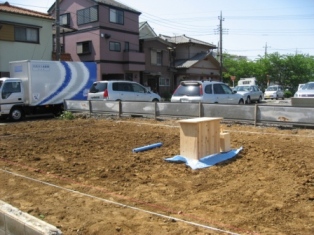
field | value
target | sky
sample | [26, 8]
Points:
[250, 28]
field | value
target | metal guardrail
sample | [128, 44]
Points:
[257, 114]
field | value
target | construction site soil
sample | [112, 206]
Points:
[82, 176]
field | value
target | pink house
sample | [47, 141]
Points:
[104, 31]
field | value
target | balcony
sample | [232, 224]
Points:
[134, 61]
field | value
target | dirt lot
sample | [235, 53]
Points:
[82, 176]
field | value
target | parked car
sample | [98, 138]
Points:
[274, 92]
[207, 92]
[300, 86]
[250, 93]
[121, 90]
[307, 91]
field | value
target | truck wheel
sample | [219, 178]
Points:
[16, 114]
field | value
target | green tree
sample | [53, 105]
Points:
[287, 70]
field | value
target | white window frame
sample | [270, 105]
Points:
[164, 81]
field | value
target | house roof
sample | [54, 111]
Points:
[185, 39]
[117, 4]
[6, 7]
[185, 64]
[112, 3]
[144, 25]
[157, 39]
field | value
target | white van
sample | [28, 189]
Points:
[116, 90]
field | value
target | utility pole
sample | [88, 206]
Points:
[265, 50]
[57, 24]
[220, 45]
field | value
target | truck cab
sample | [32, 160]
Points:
[11, 98]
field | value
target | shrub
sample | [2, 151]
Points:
[67, 115]
[288, 94]
[166, 95]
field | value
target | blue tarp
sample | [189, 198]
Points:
[205, 161]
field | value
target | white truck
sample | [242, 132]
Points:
[247, 82]
[38, 87]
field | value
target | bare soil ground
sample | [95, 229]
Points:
[82, 176]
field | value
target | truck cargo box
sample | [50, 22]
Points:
[50, 82]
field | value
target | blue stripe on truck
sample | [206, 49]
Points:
[63, 85]
[92, 77]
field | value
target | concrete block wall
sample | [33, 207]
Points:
[302, 102]
[15, 222]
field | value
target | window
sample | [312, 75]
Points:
[87, 15]
[126, 46]
[9, 88]
[218, 89]
[115, 46]
[209, 89]
[156, 57]
[24, 34]
[65, 19]
[159, 58]
[164, 81]
[83, 47]
[121, 86]
[138, 88]
[226, 89]
[116, 16]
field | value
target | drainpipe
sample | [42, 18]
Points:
[57, 23]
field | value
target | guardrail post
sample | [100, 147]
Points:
[255, 114]
[120, 108]
[155, 114]
[65, 107]
[200, 113]
[90, 108]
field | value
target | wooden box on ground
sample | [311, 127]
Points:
[199, 137]
[225, 142]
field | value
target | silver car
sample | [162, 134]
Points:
[307, 91]
[121, 90]
[274, 92]
[206, 92]
[250, 93]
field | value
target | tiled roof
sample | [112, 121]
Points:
[185, 39]
[117, 4]
[190, 62]
[6, 7]
[106, 2]
[180, 64]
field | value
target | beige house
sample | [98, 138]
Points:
[169, 60]
[24, 35]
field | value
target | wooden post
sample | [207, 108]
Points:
[225, 142]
